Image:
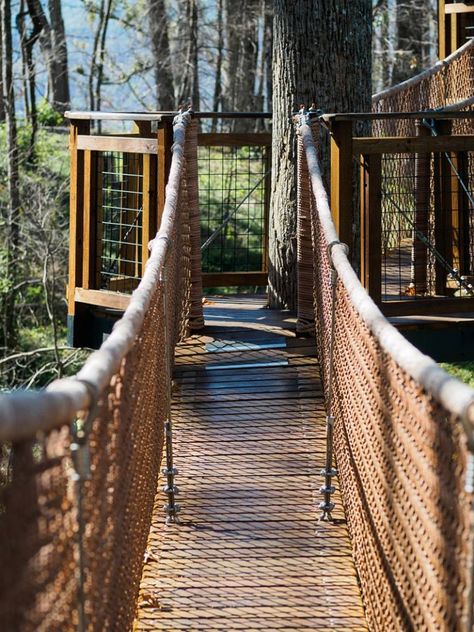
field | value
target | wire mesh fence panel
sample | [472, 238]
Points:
[233, 192]
[427, 214]
[119, 221]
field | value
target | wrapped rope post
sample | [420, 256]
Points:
[329, 472]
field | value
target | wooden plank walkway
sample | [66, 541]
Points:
[249, 425]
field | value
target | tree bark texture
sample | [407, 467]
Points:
[8, 338]
[158, 21]
[321, 55]
[52, 40]
[242, 59]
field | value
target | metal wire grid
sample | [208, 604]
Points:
[120, 217]
[226, 177]
[415, 218]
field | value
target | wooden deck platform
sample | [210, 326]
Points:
[249, 426]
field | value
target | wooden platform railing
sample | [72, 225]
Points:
[117, 197]
[416, 238]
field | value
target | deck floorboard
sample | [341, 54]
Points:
[249, 552]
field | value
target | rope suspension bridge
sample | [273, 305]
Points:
[290, 482]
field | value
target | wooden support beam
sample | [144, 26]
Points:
[341, 178]
[124, 144]
[428, 306]
[102, 298]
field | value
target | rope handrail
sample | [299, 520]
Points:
[454, 395]
[425, 74]
[22, 413]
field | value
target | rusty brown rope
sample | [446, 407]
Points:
[402, 427]
[117, 405]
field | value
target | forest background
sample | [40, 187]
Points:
[123, 55]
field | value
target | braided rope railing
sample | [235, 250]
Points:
[79, 461]
[403, 437]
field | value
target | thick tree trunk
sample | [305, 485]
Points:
[12, 220]
[60, 69]
[158, 21]
[217, 98]
[321, 54]
[189, 86]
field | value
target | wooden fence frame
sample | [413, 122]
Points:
[368, 151]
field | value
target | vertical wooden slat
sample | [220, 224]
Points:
[371, 226]
[341, 179]
[454, 35]
[165, 142]
[90, 219]
[442, 212]
[422, 211]
[149, 205]
[464, 215]
[76, 211]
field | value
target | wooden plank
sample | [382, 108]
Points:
[428, 306]
[249, 552]
[371, 226]
[459, 7]
[115, 116]
[76, 201]
[102, 298]
[226, 279]
[235, 140]
[422, 213]
[412, 144]
[125, 144]
[341, 179]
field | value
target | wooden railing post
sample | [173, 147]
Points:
[443, 211]
[341, 179]
[422, 211]
[371, 226]
[76, 210]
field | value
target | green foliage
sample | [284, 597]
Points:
[464, 371]
[47, 115]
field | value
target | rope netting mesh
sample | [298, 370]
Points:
[70, 533]
[448, 83]
[400, 447]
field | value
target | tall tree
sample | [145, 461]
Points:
[8, 297]
[242, 22]
[321, 54]
[188, 77]
[52, 40]
[158, 23]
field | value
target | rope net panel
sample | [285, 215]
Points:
[73, 534]
[448, 83]
[400, 448]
